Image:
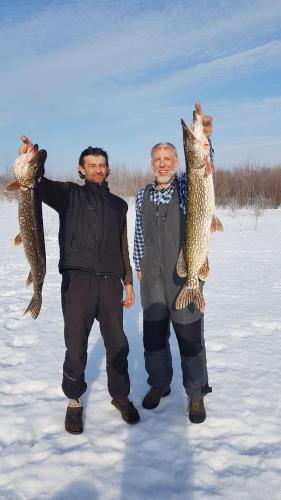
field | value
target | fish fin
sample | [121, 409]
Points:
[34, 305]
[13, 186]
[208, 169]
[188, 295]
[29, 279]
[216, 224]
[204, 271]
[18, 240]
[181, 266]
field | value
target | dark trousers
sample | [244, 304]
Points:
[158, 359]
[85, 297]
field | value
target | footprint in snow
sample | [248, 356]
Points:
[25, 386]
[240, 333]
[13, 324]
[23, 340]
[267, 325]
[213, 347]
[14, 359]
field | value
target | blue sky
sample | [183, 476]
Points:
[121, 74]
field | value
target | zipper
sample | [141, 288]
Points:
[157, 215]
[103, 229]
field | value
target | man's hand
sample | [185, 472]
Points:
[129, 296]
[139, 276]
[25, 145]
[206, 120]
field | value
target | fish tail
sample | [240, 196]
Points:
[34, 305]
[190, 295]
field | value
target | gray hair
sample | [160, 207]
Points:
[164, 144]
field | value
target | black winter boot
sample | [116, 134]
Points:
[129, 413]
[153, 396]
[73, 417]
[197, 412]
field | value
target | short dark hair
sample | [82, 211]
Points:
[94, 152]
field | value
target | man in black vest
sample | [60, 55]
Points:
[94, 257]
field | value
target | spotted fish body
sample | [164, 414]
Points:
[200, 217]
[27, 170]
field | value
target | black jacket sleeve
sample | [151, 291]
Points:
[55, 193]
[128, 274]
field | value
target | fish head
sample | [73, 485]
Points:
[196, 144]
[29, 167]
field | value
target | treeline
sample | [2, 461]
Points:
[248, 186]
[241, 186]
[126, 182]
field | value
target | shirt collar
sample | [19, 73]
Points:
[95, 186]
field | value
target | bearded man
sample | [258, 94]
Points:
[159, 236]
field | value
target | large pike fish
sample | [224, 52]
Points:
[200, 217]
[28, 169]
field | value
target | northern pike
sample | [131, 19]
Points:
[200, 217]
[28, 169]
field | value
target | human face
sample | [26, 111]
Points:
[94, 168]
[164, 163]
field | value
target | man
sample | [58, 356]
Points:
[94, 257]
[159, 235]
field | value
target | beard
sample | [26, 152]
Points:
[164, 179]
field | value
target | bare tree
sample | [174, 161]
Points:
[243, 186]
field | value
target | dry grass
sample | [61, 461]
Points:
[243, 186]
[247, 186]
[126, 182]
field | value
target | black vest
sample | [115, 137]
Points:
[90, 230]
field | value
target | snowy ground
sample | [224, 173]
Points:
[234, 454]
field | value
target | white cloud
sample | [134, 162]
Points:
[91, 44]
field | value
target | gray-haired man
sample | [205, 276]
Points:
[159, 235]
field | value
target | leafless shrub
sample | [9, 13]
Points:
[257, 208]
[248, 185]
[233, 205]
[126, 182]
[242, 186]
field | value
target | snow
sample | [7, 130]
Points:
[234, 454]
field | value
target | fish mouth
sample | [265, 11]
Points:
[38, 158]
[43, 156]
[37, 163]
[34, 156]
[40, 155]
